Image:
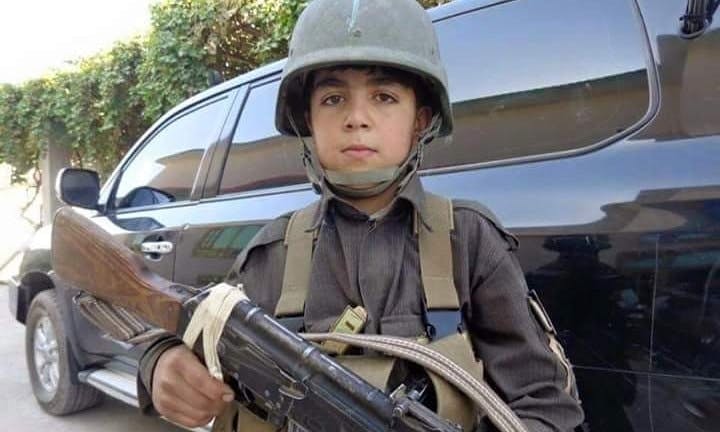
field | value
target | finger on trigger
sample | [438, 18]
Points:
[228, 394]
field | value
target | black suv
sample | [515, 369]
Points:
[591, 128]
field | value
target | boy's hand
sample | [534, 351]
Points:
[184, 392]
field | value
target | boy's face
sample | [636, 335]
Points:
[362, 119]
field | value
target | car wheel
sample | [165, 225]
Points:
[48, 360]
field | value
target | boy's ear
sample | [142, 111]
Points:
[422, 119]
[308, 122]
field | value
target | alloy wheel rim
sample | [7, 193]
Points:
[47, 359]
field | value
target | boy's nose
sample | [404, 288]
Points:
[357, 116]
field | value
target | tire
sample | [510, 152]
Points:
[48, 360]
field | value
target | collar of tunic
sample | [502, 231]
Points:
[413, 193]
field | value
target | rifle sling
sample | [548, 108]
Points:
[209, 320]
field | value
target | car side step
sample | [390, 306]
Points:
[119, 385]
[114, 383]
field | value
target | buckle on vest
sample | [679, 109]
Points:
[442, 322]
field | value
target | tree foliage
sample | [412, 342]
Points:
[104, 103]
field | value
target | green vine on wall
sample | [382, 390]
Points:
[100, 108]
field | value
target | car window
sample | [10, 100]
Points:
[259, 156]
[165, 167]
[535, 77]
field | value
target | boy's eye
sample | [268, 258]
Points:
[332, 100]
[385, 98]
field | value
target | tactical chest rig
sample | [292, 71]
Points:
[445, 331]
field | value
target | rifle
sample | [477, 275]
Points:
[279, 375]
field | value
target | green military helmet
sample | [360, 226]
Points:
[393, 33]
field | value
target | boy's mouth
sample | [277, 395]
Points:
[359, 151]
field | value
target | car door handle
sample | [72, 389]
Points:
[158, 247]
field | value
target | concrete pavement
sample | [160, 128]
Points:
[19, 411]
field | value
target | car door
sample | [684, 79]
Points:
[154, 191]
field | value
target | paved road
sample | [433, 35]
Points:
[19, 411]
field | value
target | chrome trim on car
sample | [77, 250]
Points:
[13, 286]
[116, 384]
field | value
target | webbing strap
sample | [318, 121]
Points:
[298, 262]
[452, 404]
[436, 253]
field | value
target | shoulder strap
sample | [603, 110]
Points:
[298, 262]
[435, 251]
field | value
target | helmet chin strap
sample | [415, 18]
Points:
[363, 184]
[366, 184]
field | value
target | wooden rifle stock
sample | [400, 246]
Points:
[82, 253]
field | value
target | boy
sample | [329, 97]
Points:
[365, 81]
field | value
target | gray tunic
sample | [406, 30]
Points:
[373, 261]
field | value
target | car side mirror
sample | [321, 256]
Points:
[78, 187]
